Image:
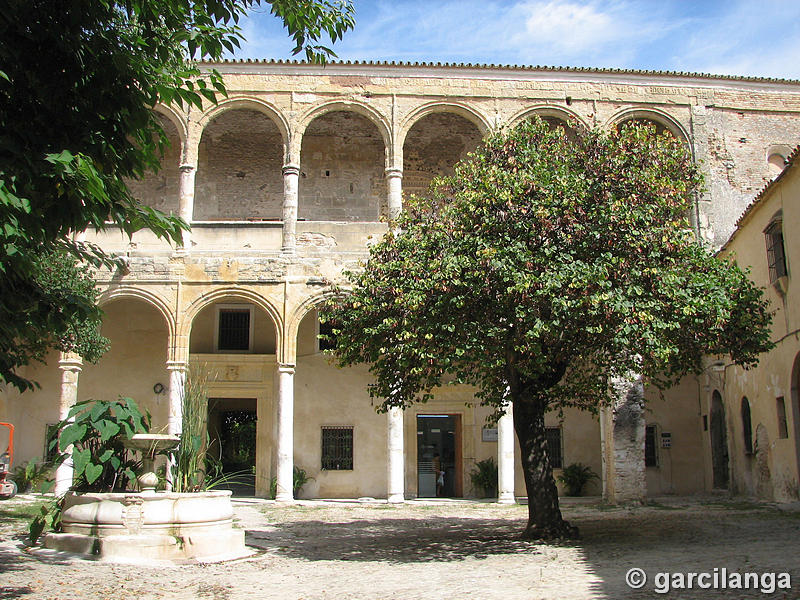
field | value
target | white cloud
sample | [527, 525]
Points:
[568, 26]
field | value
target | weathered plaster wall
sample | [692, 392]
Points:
[772, 471]
[160, 190]
[342, 164]
[433, 146]
[239, 169]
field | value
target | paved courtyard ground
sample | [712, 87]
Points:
[333, 550]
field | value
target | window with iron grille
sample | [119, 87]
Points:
[776, 258]
[747, 427]
[234, 329]
[650, 452]
[337, 448]
[554, 447]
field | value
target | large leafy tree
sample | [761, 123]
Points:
[544, 266]
[78, 83]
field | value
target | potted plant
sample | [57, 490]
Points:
[575, 477]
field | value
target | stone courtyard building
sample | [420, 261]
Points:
[286, 183]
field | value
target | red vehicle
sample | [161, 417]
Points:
[8, 489]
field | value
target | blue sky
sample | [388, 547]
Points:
[734, 37]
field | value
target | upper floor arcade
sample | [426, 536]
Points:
[304, 159]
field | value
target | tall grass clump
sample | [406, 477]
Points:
[189, 460]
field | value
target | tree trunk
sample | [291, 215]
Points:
[544, 515]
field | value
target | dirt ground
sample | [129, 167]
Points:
[335, 550]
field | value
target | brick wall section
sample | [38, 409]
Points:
[342, 161]
[433, 146]
[160, 190]
[239, 169]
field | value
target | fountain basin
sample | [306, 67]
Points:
[135, 528]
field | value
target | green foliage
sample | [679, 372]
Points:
[96, 430]
[32, 476]
[575, 477]
[299, 479]
[483, 477]
[71, 136]
[48, 519]
[543, 266]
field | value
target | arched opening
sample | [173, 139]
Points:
[135, 365]
[232, 347]
[433, 146]
[161, 190]
[663, 124]
[239, 169]
[747, 427]
[776, 162]
[342, 159]
[719, 443]
[342, 441]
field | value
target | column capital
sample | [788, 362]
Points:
[393, 172]
[291, 169]
[70, 362]
[177, 365]
[286, 368]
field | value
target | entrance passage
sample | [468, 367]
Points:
[719, 443]
[439, 456]
[232, 443]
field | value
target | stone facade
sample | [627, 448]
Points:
[285, 183]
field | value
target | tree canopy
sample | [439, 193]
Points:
[79, 81]
[544, 266]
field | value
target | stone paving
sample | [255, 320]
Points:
[419, 550]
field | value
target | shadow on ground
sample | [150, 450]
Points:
[396, 540]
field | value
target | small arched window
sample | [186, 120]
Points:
[747, 427]
[777, 162]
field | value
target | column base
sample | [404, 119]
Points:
[506, 498]
[395, 499]
[284, 498]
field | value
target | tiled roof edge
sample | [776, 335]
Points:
[555, 69]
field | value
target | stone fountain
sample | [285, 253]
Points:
[148, 525]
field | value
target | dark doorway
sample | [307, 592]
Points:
[232, 443]
[439, 456]
[719, 443]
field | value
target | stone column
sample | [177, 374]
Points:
[285, 468]
[186, 201]
[505, 458]
[394, 185]
[623, 431]
[70, 365]
[177, 382]
[291, 178]
[396, 456]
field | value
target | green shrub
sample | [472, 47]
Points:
[300, 478]
[575, 477]
[33, 476]
[484, 477]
